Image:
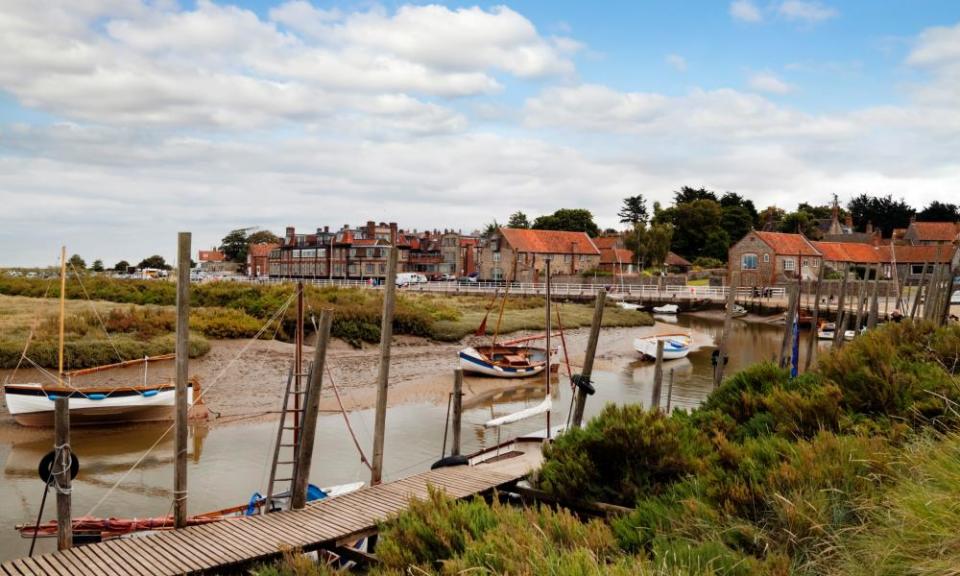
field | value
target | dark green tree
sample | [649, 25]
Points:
[261, 237]
[155, 261]
[77, 262]
[634, 210]
[490, 229]
[939, 212]
[121, 266]
[658, 239]
[234, 245]
[737, 221]
[569, 219]
[731, 200]
[693, 224]
[800, 222]
[97, 265]
[687, 194]
[518, 220]
[883, 212]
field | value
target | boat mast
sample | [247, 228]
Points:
[63, 296]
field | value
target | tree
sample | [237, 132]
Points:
[694, 224]
[570, 219]
[883, 212]
[97, 265]
[802, 222]
[687, 194]
[658, 239]
[736, 220]
[490, 230]
[77, 262]
[234, 246]
[731, 200]
[634, 210]
[155, 261]
[518, 220]
[939, 212]
[121, 266]
[636, 241]
[262, 237]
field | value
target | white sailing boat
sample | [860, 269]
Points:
[675, 346]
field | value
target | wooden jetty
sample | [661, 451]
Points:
[233, 543]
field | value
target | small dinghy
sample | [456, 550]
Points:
[675, 346]
[738, 311]
[666, 309]
[629, 306]
[504, 361]
[827, 331]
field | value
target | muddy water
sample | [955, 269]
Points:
[230, 462]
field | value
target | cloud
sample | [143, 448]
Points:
[809, 12]
[745, 11]
[677, 62]
[769, 82]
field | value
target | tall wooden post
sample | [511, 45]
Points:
[549, 329]
[725, 335]
[182, 361]
[61, 472]
[814, 320]
[861, 294]
[841, 307]
[872, 317]
[785, 344]
[457, 411]
[931, 294]
[670, 392]
[308, 433]
[657, 378]
[919, 293]
[587, 372]
[298, 366]
[383, 376]
[63, 299]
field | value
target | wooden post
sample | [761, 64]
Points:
[311, 407]
[841, 331]
[951, 288]
[549, 329]
[63, 298]
[587, 371]
[841, 306]
[919, 292]
[383, 376]
[298, 366]
[61, 472]
[657, 377]
[872, 317]
[725, 335]
[457, 410]
[670, 392]
[812, 341]
[182, 361]
[785, 344]
[931, 293]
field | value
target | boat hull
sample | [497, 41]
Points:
[31, 406]
[474, 361]
[674, 348]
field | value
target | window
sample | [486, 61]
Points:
[748, 262]
[789, 264]
[815, 262]
[497, 274]
[496, 256]
[766, 258]
[308, 253]
[370, 268]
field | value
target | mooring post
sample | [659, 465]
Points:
[670, 392]
[861, 295]
[919, 291]
[725, 335]
[587, 371]
[785, 347]
[457, 410]
[872, 317]
[311, 407]
[182, 362]
[931, 294]
[383, 376]
[548, 321]
[657, 377]
[61, 472]
[841, 307]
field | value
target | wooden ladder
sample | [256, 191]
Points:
[288, 438]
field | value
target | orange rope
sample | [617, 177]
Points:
[563, 342]
[346, 419]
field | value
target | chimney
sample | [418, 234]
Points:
[393, 233]
[290, 235]
[371, 229]
[326, 229]
[849, 221]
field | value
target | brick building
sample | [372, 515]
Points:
[258, 256]
[768, 258]
[520, 255]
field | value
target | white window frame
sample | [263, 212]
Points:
[766, 258]
[743, 261]
[789, 265]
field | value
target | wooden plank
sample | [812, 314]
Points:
[186, 549]
[273, 536]
[68, 558]
[51, 566]
[92, 559]
[290, 531]
[111, 565]
[235, 542]
[26, 569]
[151, 546]
[132, 560]
[147, 554]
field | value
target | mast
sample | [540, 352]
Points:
[63, 296]
[549, 328]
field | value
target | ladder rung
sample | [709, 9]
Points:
[275, 480]
[287, 462]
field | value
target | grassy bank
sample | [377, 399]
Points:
[852, 469]
[239, 310]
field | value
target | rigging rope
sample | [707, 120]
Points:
[95, 313]
[26, 345]
[206, 389]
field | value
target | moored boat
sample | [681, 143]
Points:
[827, 331]
[738, 311]
[504, 361]
[675, 346]
[666, 309]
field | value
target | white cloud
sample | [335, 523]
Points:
[769, 82]
[677, 62]
[805, 11]
[745, 10]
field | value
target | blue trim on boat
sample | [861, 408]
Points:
[149, 393]
[488, 365]
[96, 396]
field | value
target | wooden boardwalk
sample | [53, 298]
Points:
[210, 548]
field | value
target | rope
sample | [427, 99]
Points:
[346, 419]
[206, 389]
[95, 313]
[62, 461]
[26, 345]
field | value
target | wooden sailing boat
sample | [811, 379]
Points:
[513, 359]
[32, 403]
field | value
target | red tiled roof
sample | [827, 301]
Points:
[259, 250]
[917, 254]
[853, 252]
[606, 242]
[787, 244]
[676, 260]
[935, 231]
[211, 256]
[549, 241]
[616, 256]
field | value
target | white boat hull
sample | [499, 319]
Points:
[666, 309]
[674, 347]
[30, 406]
[472, 361]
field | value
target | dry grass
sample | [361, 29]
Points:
[18, 313]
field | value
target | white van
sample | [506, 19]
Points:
[407, 278]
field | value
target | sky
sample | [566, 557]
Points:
[123, 122]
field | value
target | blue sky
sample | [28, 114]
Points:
[123, 122]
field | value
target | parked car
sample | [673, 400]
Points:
[407, 278]
[448, 277]
[955, 299]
